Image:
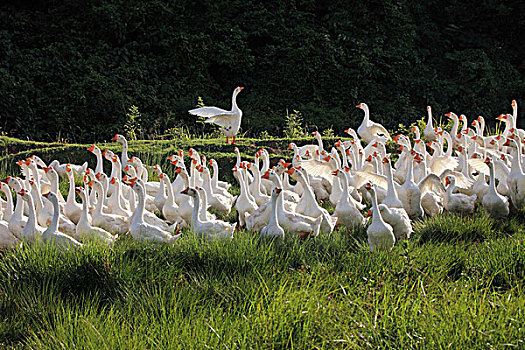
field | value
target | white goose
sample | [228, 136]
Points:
[398, 219]
[273, 230]
[141, 230]
[429, 132]
[45, 212]
[170, 210]
[78, 170]
[72, 210]
[52, 235]
[8, 210]
[98, 153]
[229, 121]
[31, 230]
[495, 205]
[215, 178]
[7, 239]
[345, 212]
[308, 205]
[109, 222]
[245, 203]
[124, 155]
[458, 203]
[84, 229]
[210, 229]
[160, 196]
[17, 221]
[368, 130]
[380, 234]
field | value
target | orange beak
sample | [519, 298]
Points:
[178, 170]
[290, 171]
[369, 214]
[266, 175]
[359, 105]
[447, 181]
[335, 172]
[185, 191]
[114, 137]
[112, 181]
[91, 148]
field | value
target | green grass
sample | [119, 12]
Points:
[323, 293]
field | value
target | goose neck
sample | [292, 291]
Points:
[196, 208]
[273, 217]
[71, 192]
[54, 222]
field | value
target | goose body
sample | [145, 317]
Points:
[141, 230]
[495, 205]
[380, 234]
[210, 229]
[84, 230]
[273, 230]
[229, 122]
[368, 130]
[51, 235]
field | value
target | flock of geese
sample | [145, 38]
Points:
[426, 179]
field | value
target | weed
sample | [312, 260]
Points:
[293, 124]
[132, 126]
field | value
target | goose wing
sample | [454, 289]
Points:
[433, 183]
[208, 112]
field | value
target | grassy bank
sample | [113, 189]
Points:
[450, 291]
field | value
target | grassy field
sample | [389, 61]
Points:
[456, 284]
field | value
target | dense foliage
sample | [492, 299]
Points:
[72, 69]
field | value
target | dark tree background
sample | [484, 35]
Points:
[71, 69]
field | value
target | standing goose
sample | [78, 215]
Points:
[210, 229]
[141, 230]
[368, 130]
[495, 205]
[229, 121]
[458, 203]
[52, 235]
[380, 234]
[429, 132]
[345, 212]
[84, 229]
[273, 230]
[31, 231]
